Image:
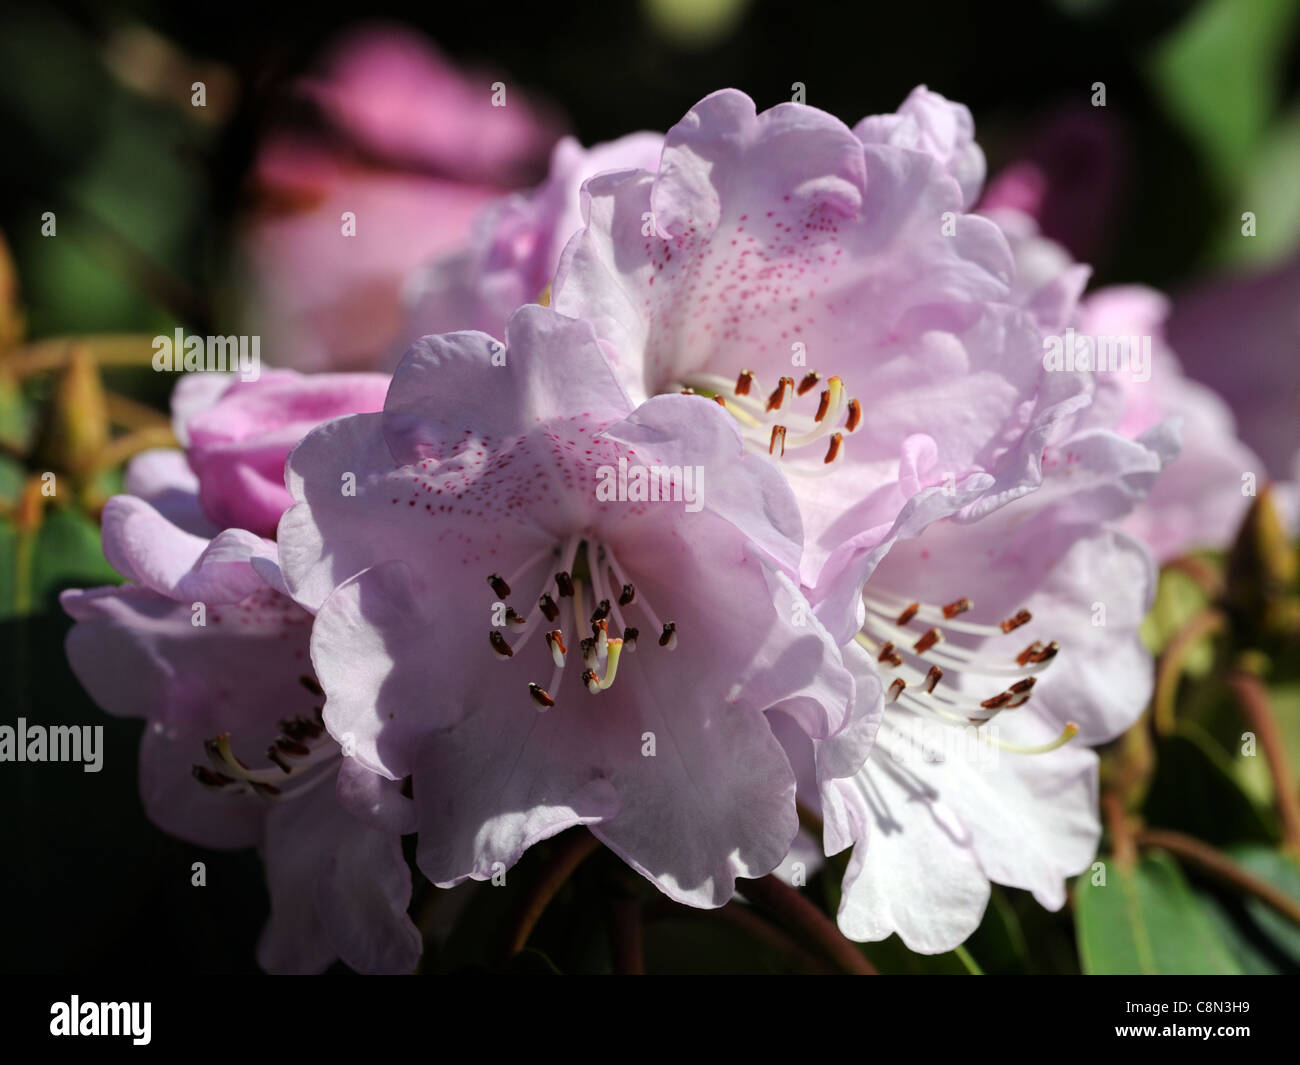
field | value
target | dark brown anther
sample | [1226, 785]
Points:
[499, 587]
[1023, 685]
[957, 606]
[1027, 655]
[888, 654]
[499, 645]
[210, 778]
[549, 610]
[810, 379]
[540, 695]
[997, 702]
[743, 382]
[564, 582]
[285, 745]
[588, 648]
[823, 405]
[668, 638]
[629, 638]
[896, 689]
[932, 678]
[555, 641]
[299, 728]
[278, 759]
[515, 620]
[311, 684]
[834, 449]
[928, 639]
[267, 791]
[601, 612]
[1046, 654]
[720, 402]
[855, 416]
[907, 615]
[627, 595]
[777, 397]
[778, 436]
[1020, 617]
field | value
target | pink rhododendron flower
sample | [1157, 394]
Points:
[989, 638]
[834, 295]
[1199, 501]
[204, 645]
[412, 150]
[237, 447]
[536, 651]
[517, 242]
[942, 129]
[267, 772]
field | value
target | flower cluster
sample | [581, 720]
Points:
[725, 483]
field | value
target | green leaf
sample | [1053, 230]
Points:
[1195, 790]
[1146, 919]
[68, 554]
[1219, 74]
[1261, 939]
[64, 552]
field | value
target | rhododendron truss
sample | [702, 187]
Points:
[728, 490]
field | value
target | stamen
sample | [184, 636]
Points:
[928, 639]
[627, 596]
[810, 379]
[499, 586]
[588, 648]
[854, 419]
[564, 583]
[896, 689]
[833, 451]
[515, 621]
[548, 607]
[555, 641]
[499, 644]
[312, 685]
[540, 695]
[601, 612]
[668, 638]
[1037, 653]
[908, 614]
[778, 434]
[932, 679]
[777, 397]
[629, 638]
[1020, 617]
[957, 606]
[590, 679]
[743, 382]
